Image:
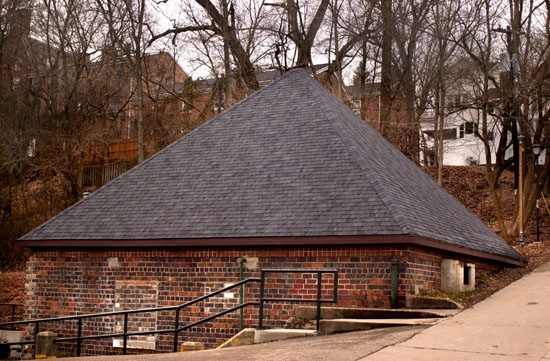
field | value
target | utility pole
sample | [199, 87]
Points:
[520, 188]
[509, 63]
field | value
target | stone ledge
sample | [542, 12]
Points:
[261, 336]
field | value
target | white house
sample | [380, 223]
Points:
[461, 145]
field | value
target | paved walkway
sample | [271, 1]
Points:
[513, 324]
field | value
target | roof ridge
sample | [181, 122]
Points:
[160, 152]
[357, 156]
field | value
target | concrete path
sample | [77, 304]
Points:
[513, 324]
[342, 347]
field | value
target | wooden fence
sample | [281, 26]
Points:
[110, 172]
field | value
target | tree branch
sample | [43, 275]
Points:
[179, 30]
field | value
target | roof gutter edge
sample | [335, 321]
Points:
[275, 241]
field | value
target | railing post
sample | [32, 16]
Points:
[79, 335]
[319, 279]
[241, 292]
[125, 341]
[262, 283]
[335, 294]
[176, 332]
[36, 330]
[13, 316]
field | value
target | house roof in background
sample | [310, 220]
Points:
[288, 161]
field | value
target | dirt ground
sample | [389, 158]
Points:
[469, 186]
[12, 286]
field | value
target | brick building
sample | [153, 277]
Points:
[287, 178]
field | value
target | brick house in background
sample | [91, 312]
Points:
[287, 178]
[167, 93]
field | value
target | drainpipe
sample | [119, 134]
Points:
[394, 275]
[242, 260]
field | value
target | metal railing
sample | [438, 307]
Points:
[177, 328]
[318, 300]
[13, 316]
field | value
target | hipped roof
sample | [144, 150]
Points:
[287, 164]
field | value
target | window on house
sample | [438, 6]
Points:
[17, 66]
[490, 108]
[429, 133]
[466, 128]
[16, 82]
[449, 134]
[185, 108]
[31, 149]
[469, 128]
[158, 82]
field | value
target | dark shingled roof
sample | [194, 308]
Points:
[288, 161]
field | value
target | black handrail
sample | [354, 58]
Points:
[177, 328]
[13, 306]
[317, 300]
[125, 333]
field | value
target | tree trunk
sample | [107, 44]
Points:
[226, 61]
[386, 97]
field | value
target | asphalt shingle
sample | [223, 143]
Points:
[288, 161]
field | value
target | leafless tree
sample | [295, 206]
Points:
[126, 21]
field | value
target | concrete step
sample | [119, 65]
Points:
[310, 313]
[348, 325]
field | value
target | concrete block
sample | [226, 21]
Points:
[191, 346]
[423, 302]
[45, 345]
[457, 276]
[261, 336]
[145, 344]
[12, 336]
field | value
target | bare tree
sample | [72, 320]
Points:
[126, 21]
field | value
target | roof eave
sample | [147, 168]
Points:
[277, 241]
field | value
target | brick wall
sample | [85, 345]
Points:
[62, 282]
